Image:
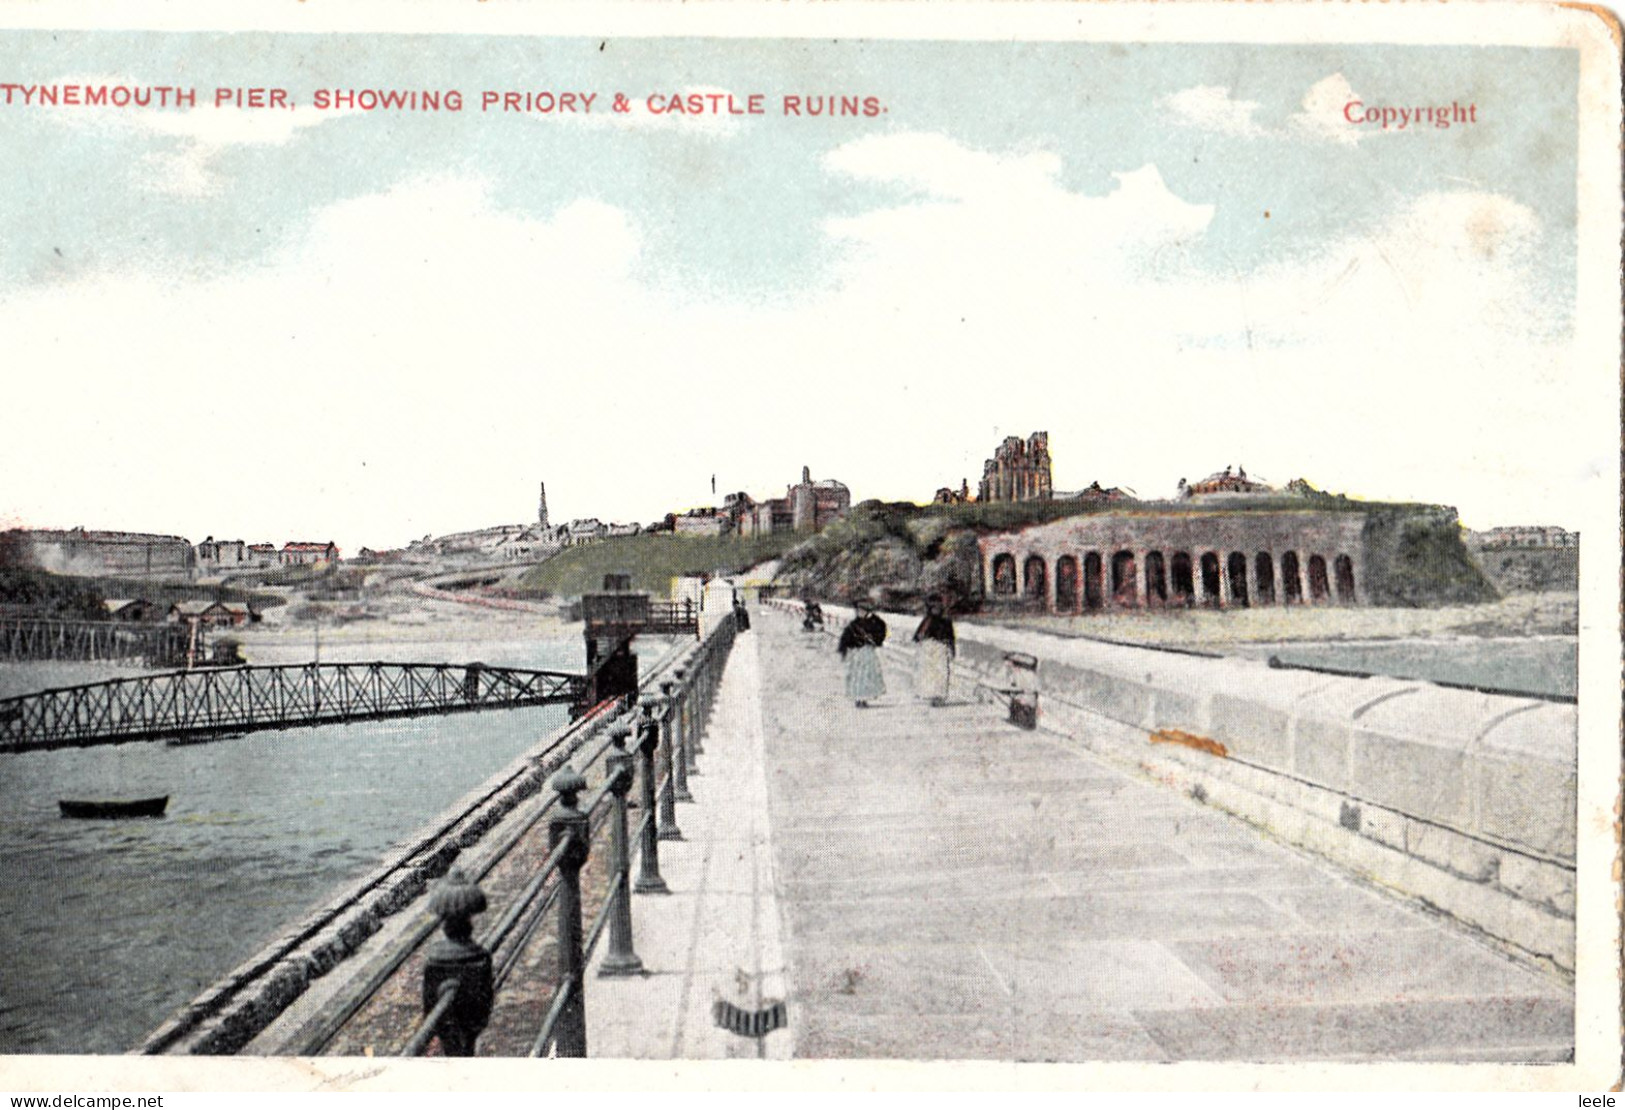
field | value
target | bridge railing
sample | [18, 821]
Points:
[246, 699]
[464, 978]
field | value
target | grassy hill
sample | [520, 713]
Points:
[652, 561]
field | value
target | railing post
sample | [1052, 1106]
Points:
[456, 963]
[668, 764]
[682, 757]
[569, 823]
[703, 678]
[649, 880]
[620, 959]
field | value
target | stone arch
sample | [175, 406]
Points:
[1264, 571]
[1291, 583]
[1236, 568]
[1004, 575]
[1156, 579]
[1094, 593]
[1184, 586]
[1035, 579]
[1067, 584]
[1345, 579]
[1319, 588]
[1210, 578]
[1125, 591]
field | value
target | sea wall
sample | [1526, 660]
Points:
[1461, 800]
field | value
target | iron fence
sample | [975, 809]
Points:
[463, 978]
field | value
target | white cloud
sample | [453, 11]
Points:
[1212, 108]
[1319, 117]
[998, 224]
[419, 358]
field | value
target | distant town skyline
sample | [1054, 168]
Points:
[372, 326]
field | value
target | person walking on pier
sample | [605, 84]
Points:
[860, 648]
[936, 653]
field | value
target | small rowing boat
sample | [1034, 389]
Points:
[114, 807]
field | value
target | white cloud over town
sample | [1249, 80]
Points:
[416, 349]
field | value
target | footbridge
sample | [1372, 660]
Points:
[202, 703]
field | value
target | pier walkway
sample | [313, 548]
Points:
[924, 884]
[942, 885]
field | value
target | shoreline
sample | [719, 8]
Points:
[1525, 617]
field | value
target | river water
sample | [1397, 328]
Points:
[1546, 665]
[106, 927]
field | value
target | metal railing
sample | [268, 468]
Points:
[463, 978]
[250, 699]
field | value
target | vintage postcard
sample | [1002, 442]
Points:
[1074, 535]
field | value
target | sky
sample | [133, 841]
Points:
[294, 323]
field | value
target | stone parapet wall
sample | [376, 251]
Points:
[1462, 800]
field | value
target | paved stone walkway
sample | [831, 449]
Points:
[716, 935]
[954, 888]
[928, 884]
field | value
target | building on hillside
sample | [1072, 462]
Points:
[813, 505]
[262, 555]
[535, 542]
[1095, 493]
[296, 553]
[1018, 471]
[702, 522]
[128, 608]
[583, 530]
[1224, 483]
[772, 515]
[216, 556]
[84, 551]
[740, 509]
[1151, 560]
[807, 506]
[1528, 535]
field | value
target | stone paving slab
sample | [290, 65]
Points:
[954, 888]
[716, 934]
[1433, 1030]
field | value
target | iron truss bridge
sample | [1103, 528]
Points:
[226, 701]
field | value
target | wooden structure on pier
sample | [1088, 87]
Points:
[612, 619]
[25, 639]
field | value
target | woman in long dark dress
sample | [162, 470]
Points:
[860, 648]
[935, 638]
